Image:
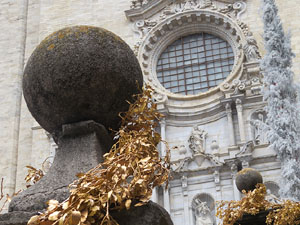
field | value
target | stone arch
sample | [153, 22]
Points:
[272, 187]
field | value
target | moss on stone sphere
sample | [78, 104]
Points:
[247, 178]
[80, 73]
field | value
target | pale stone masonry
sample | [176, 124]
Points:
[24, 23]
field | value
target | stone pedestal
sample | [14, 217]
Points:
[258, 219]
[80, 148]
[148, 214]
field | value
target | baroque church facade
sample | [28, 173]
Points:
[202, 59]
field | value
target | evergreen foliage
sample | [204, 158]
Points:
[282, 101]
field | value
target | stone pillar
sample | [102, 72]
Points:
[230, 124]
[239, 109]
[166, 199]
[185, 200]
[154, 196]
[163, 154]
[81, 147]
[218, 184]
[163, 136]
[236, 192]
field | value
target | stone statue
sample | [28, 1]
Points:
[251, 49]
[197, 140]
[259, 131]
[202, 213]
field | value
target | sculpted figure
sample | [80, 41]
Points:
[203, 216]
[259, 134]
[251, 48]
[197, 140]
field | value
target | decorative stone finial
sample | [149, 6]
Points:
[247, 178]
[80, 73]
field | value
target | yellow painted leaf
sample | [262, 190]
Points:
[65, 205]
[80, 175]
[139, 204]
[75, 217]
[109, 194]
[61, 220]
[34, 220]
[84, 215]
[127, 204]
[53, 216]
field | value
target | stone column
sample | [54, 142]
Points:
[166, 199]
[230, 124]
[185, 200]
[154, 196]
[236, 192]
[163, 136]
[81, 147]
[217, 183]
[239, 109]
[163, 154]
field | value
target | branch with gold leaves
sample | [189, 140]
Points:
[128, 174]
[285, 213]
[33, 175]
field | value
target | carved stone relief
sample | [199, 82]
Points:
[203, 208]
[136, 4]
[251, 48]
[197, 140]
[258, 127]
[143, 26]
[202, 214]
[238, 86]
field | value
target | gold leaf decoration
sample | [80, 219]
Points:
[285, 213]
[128, 174]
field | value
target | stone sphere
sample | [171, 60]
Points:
[80, 73]
[247, 179]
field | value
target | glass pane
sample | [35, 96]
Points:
[194, 63]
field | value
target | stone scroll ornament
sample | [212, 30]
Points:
[76, 83]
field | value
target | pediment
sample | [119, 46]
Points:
[144, 9]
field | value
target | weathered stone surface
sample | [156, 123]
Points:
[15, 218]
[148, 214]
[80, 73]
[247, 179]
[81, 147]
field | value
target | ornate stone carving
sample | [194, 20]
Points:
[217, 176]
[246, 149]
[236, 86]
[181, 165]
[136, 4]
[251, 48]
[202, 213]
[159, 98]
[197, 140]
[258, 127]
[184, 182]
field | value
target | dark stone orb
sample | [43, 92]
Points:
[80, 73]
[247, 179]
